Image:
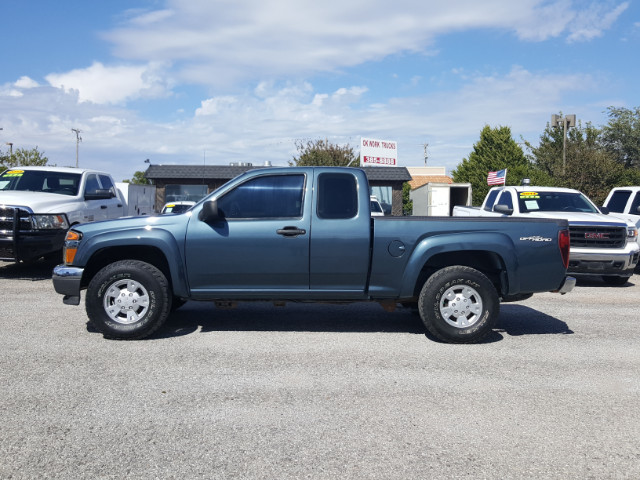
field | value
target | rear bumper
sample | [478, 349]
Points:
[67, 281]
[567, 285]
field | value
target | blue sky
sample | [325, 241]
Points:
[187, 82]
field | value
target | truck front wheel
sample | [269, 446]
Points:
[459, 304]
[128, 299]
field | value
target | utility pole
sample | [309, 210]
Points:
[10, 148]
[566, 122]
[78, 140]
[425, 145]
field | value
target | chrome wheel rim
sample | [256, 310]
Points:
[126, 301]
[461, 306]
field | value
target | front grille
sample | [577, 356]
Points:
[7, 219]
[598, 236]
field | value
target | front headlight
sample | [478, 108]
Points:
[49, 222]
[632, 232]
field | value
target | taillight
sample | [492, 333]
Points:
[564, 240]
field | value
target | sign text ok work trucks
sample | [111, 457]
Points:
[378, 153]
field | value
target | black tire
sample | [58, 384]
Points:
[615, 280]
[128, 300]
[453, 322]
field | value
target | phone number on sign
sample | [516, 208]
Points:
[380, 160]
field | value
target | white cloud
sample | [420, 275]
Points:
[264, 124]
[591, 22]
[219, 43]
[25, 82]
[112, 84]
[213, 106]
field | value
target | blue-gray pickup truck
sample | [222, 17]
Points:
[306, 234]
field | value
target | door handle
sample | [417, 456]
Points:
[103, 207]
[291, 231]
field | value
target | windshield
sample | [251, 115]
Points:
[554, 202]
[179, 208]
[61, 183]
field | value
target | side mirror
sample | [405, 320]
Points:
[100, 194]
[638, 209]
[503, 209]
[604, 210]
[210, 212]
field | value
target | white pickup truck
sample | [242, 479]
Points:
[39, 204]
[624, 203]
[600, 244]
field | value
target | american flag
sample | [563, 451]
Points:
[497, 178]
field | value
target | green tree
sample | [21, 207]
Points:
[139, 179]
[621, 136]
[589, 166]
[323, 153]
[407, 203]
[22, 158]
[496, 150]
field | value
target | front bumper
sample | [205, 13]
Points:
[67, 281]
[585, 262]
[31, 245]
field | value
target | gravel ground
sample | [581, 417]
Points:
[320, 391]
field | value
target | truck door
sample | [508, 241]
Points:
[115, 206]
[93, 210]
[340, 239]
[262, 243]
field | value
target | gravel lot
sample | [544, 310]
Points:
[320, 391]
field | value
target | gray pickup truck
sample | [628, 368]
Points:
[307, 235]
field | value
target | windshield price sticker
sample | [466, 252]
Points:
[13, 173]
[529, 195]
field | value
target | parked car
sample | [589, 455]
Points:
[624, 203]
[376, 208]
[39, 204]
[306, 234]
[600, 244]
[177, 207]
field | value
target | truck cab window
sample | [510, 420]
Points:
[619, 201]
[505, 199]
[337, 196]
[271, 196]
[92, 185]
[491, 198]
[635, 204]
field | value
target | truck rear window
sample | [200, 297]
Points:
[337, 196]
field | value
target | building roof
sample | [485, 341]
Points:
[221, 172]
[227, 172]
[419, 181]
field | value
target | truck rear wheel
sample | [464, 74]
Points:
[128, 299]
[459, 304]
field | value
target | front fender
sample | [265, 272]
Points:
[496, 243]
[157, 238]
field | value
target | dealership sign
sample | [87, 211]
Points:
[378, 153]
